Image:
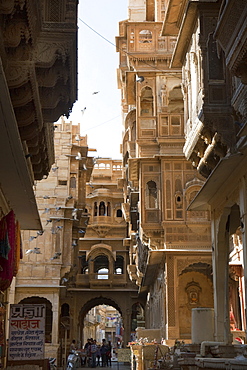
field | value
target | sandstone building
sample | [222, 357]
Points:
[170, 247]
[49, 256]
[215, 119]
[162, 232]
[208, 59]
[38, 83]
[100, 275]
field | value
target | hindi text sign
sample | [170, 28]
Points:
[26, 332]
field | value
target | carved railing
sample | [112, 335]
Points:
[101, 280]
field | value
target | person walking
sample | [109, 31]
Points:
[94, 350]
[87, 351]
[98, 355]
[108, 353]
[103, 350]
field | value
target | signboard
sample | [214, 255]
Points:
[26, 332]
[123, 355]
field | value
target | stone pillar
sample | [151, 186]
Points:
[172, 327]
[55, 319]
[220, 255]
[243, 224]
[126, 322]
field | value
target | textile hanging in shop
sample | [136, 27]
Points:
[4, 239]
[8, 265]
[18, 248]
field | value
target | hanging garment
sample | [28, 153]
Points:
[8, 265]
[4, 239]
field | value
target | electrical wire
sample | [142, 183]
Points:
[119, 49]
[100, 124]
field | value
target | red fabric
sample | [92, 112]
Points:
[7, 266]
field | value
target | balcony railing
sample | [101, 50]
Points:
[95, 280]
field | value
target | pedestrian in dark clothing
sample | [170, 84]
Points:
[108, 353]
[103, 351]
[87, 348]
[98, 355]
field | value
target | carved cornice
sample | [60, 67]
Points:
[48, 77]
[48, 51]
[102, 231]
[16, 32]
[17, 74]
[40, 66]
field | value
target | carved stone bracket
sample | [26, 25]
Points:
[46, 53]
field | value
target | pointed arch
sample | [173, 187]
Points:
[147, 101]
[151, 194]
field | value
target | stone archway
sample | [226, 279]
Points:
[88, 306]
[81, 302]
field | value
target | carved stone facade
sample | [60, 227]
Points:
[50, 255]
[211, 49]
[159, 183]
[38, 53]
[38, 84]
[100, 274]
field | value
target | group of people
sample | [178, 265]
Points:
[98, 355]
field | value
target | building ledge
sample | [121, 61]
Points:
[15, 179]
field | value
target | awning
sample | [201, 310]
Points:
[15, 179]
[226, 168]
[155, 258]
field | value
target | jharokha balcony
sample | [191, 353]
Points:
[101, 280]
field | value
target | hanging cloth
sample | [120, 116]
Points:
[18, 248]
[8, 265]
[4, 239]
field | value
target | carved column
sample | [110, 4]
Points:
[220, 256]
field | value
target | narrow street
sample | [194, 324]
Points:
[114, 366]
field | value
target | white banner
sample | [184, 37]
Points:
[26, 332]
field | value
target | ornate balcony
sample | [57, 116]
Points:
[101, 280]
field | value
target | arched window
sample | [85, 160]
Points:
[145, 36]
[102, 209]
[119, 213]
[103, 274]
[101, 266]
[108, 209]
[95, 209]
[133, 131]
[65, 310]
[73, 182]
[119, 265]
[146, 101]
[152, 194]
[84, 264]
